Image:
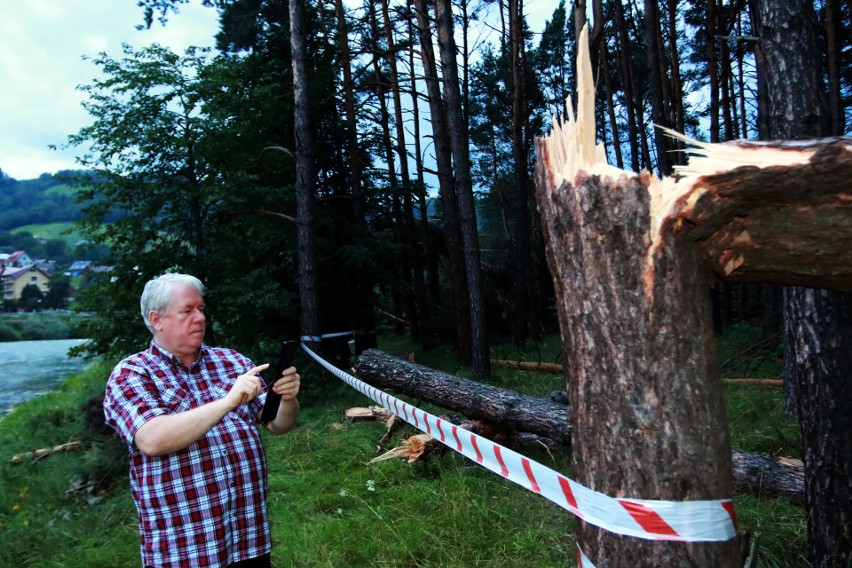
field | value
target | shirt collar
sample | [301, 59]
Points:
[159, 351]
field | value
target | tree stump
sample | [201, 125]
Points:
[647, 414]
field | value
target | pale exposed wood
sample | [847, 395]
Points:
[412, 449]
[36, 455]
[361, 414]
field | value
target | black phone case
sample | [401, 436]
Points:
[286, 354]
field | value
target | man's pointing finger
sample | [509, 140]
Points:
[258, 369]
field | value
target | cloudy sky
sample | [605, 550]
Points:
[42, 45]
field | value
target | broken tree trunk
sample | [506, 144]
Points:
[647, 412]
[514, 411]
[767, 212]
[509, 414]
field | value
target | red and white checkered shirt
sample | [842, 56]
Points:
[204, 505]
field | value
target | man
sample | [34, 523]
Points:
[189, 414]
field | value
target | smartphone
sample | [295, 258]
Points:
[286, 354]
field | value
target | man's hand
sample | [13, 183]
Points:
[288, 385]
[246, 387]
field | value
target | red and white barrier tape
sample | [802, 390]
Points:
[684, 521]
[319, 338]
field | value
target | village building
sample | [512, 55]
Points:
[15, 279]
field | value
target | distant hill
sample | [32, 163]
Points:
[45, 200]
[64, 230]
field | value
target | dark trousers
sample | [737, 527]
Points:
[264, 561]
[259, 562]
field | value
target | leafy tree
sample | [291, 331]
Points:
[180, 173]
[31, 297]
[58, 291]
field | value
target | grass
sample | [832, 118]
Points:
[328, 507]
[62, 230]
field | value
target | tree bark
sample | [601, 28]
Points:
[647, 416]
[522, 250]
[742, 196]
[818, 323]
[446, 184]
[654, 56]
[308, 289]
[513, 410]
[464, 189]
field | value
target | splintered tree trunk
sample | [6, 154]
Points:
[647, 416]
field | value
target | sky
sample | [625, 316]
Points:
[42, 45]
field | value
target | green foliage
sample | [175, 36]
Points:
[36, 201]
[47, 325]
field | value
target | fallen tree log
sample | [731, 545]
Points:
[518, 415]
[537, 366]
[556, 368]
[40, 453]
[514, 411]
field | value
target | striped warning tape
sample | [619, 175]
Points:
[318, 338]
[684, 521]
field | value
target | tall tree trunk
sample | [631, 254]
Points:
[818, 323]
[429, 264]
[625, 67]
[480, 351]
[362, 282]
[834, 47]
[446, 183]
[521, 210]
[353, 149]
[633, 308]
[305, 231]
[603, 52]
[653, 53]
[415, 258]
[677, 96]
[712, 25]
[404, 286]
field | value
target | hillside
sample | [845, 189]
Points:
[46, 199]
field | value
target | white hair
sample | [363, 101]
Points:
[157, 294]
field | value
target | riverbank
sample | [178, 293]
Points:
[39, 325]
[31, 368]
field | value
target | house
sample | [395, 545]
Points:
[78, 267]
[17, 259]
[15, 279]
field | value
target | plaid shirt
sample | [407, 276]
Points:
[204, 505]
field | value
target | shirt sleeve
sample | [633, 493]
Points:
[131, 400]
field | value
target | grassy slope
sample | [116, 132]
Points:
[327, 506]
[66, 230]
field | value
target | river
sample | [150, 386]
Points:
[29, 368]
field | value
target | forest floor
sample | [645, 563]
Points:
[328, 507]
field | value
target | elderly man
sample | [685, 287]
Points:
[190, 415]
